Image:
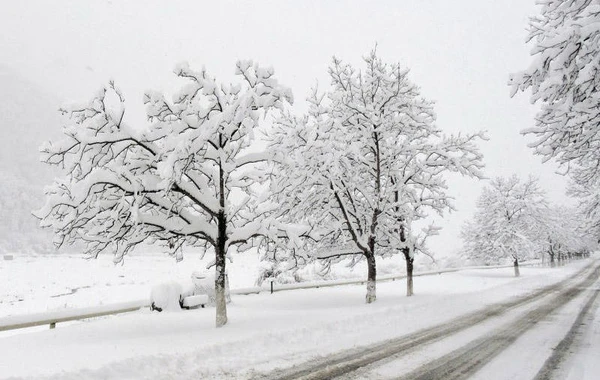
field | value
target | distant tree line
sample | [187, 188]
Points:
[513, 220]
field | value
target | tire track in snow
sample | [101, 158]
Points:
[348, 361]
[563, 349]
[467, 360]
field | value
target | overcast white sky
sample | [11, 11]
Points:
[460, 53]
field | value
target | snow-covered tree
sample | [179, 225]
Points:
[589, 206]
[509, 215]
[557, 236]
[363, 164]
[186, 179]
[565, 232]
[564, 77]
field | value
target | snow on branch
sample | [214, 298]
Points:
[563, 78]
[366, 159]
[171, 181]
[510, 214]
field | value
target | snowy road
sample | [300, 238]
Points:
[480, 337]
[555, 366]
[466, 361]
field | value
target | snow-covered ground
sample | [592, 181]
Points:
[264, 332]
[33, 284]
[39, 283]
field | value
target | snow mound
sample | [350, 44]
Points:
[166, 296]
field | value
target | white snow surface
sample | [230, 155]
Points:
[40, 283]
[265, 331]
[586, 364]
[166, 296]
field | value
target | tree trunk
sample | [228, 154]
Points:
[220, 299]
[220, 253]
[516, 266]
[372, 273]
[543, 259]
[407, 257]
[552, 262]
[409, 271]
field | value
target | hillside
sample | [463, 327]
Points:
[28, 116]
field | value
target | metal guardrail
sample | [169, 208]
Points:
[54, 317]
[325, 284]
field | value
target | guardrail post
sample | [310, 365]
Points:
[271, 287]
[52, 325]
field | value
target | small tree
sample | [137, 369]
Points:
[507, 220]
[363, 163]
[188, 179]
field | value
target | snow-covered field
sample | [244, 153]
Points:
[39, 283]
[33, 284]
[264, 332]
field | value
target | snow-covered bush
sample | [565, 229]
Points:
[272, 272]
